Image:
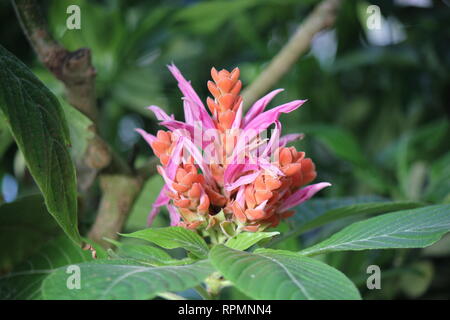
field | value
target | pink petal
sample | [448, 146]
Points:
[197, 107]
[230, 171]
[184, 85]
[262, 122]
[246, 146]
[270, 168]
[302, 195]
[260, 105]
[262, 205]
[198, 158]
[284, 140]
[238, 119]
[166, 178]
[174, 215]
[160, 201]
[160, 114]
[233, 169]
[175, 159]
[265, 119]
[200, 114]
[240, 196]
[274, 140]
[183, 129]
[188, 116]
[168, 173]
[243, 180]
[147, 136]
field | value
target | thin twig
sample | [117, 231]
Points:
[323, 16]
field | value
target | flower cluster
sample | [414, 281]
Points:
[220, 171]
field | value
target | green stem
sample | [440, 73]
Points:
[202, 292]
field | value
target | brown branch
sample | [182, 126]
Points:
[322, 17]
[73, 68]
[119, 193]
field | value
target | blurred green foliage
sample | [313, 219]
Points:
[376, 120]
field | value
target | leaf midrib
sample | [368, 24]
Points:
[289, 274]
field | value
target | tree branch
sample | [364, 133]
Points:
[118, 195]
[322, 17]
[73, 68]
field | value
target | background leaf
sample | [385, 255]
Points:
[38, 125]
[283, 275]
[25, 226]
[340, 141]
[142, 205]
[202, 17]
[417, 280]
[6, 138]
[24, 282]
[80, 130]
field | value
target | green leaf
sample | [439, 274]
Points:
[24, 282]
[281, 242]
[80, 130]
[37, 123]
[318, 212]
[343, 143]
[415, 228]
[438, 188]
[346, 146]
[135, 86]
[245, 240]
[120, 280]
[173, 237]
[351, 210]
[284, 275]
[6, 138]
[202, 16]
[25, 226]
[139, 213]
[146, 254]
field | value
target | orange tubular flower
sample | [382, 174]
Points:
[225, 90]
[257, 182]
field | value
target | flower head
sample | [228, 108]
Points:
[220, 171]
